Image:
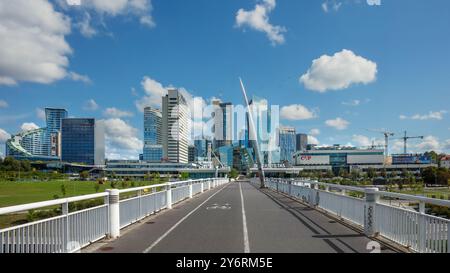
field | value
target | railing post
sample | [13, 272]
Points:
[114, 213]
[201, 185]
[65, 212]
[209, 184]
[422, 226]
[190, 189]
[448, 237]
[169, 196]
[290, 187]
[139, 194]
[369, 212]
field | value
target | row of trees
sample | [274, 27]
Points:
[13, 170]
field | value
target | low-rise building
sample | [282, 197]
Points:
[139, 169]
[445, 162]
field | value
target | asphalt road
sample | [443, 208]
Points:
[239, 218]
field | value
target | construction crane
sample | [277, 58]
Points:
[386, 134]
[405, 140]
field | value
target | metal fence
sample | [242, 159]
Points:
[415, 230]
[72, 231]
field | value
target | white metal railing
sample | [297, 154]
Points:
[71, 231]
[417, 231]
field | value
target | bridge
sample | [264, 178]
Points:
[220, 216]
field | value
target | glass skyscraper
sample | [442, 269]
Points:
[83, 141]
[53, 117]
[153, 150]
[267, 127]
[287, 139]
[302, 142]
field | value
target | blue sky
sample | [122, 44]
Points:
[391, 63]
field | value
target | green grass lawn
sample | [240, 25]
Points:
[17, 193]
[437, 193]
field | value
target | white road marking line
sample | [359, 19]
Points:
[148, 249]
[244, 223]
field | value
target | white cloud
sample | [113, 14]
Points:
[40, 113]
[28, 126]
[141, 9]
[4, 136]
[439, 115]
[313, 140]
[331, 5]
[113, 112]
[85, 26]
[314, 132]
[374, 2]
[352, 103]
[90, 105]
[3, 104]
[365, 141]
[428, 143]
[154, 91]
[297, 112]
[78, 77]
[33, 46]
[258, 19]
[338, 123]
[338, 72]
[122, 139]
[446, 145]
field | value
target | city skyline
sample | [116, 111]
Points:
[113, 71]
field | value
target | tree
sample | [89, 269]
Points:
[355, 174]
[84, 175]
[63, 190]
[234, 173]
[429, 175]
[156, 178]
[433, 155]
[371, 173]
[184, 176]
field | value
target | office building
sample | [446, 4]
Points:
[153, 151]
[30, 145]
[301, 142]
[53, 117]
[175, 127]
[267, 127]
[223, 123]
[287, 138]
[83, 141]
[191, 154]
[226, 155]
[202, 149]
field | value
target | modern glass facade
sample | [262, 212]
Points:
[82, 141]
[54, 117]
[302, 142]
[153, 150]
[226, 155]
[287, 144]
[266, 127]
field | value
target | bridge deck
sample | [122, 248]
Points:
[213, 223]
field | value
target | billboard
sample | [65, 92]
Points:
[313, 160]
[365, 159]
[410, 159]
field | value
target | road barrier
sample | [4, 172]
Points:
[72, 231]
[415, 230]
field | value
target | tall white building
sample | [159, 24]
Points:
[175, 127]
